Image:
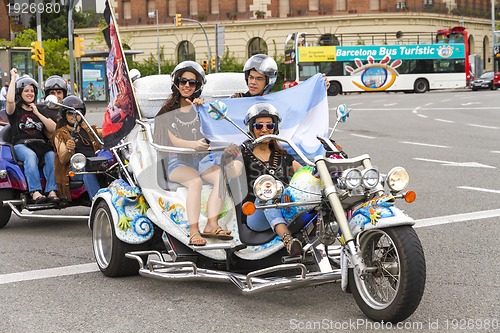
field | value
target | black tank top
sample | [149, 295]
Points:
[25, 125]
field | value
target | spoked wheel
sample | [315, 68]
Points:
[394, 288]
[109, 251]
[5, 211]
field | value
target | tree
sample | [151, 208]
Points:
[24, 38]
[56, 57]
[55, 25]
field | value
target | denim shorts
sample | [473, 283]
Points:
[200, 162]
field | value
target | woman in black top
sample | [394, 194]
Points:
[30, 130]
[265, 158]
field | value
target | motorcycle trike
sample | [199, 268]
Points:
[14, 195]
[342, 209]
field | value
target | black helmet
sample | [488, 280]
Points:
[261, 110]
[72, 102]
[22, 82]
[265, 65]
[189, 66]
[55, 82]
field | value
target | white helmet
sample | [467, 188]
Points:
[265, 65]
[189, 66]
[261, 110]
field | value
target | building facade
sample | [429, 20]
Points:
[252, 27]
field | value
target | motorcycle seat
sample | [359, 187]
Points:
[248, 236]
[6, 139]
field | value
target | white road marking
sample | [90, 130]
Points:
[363, 136]
[424, 144]
[92, 267]
[485, 214]
[444, 120]
[470, 103]
[479, 189]
[48, 273]
[390, 104]
[428, 104]
[351, 104]
[421, 115]
[495, 151]
[445, 100]
[461, 164]
[483, 126]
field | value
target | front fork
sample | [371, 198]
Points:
[331, 194]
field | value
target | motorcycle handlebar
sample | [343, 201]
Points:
[291, 144]
[51, 102]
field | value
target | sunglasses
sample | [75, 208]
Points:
[269, 126]
[183, 81]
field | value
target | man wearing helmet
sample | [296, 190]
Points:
[74, 136]
[260, 74]
[265, 158]
[177, 124]
[30, 130]
[54, 85]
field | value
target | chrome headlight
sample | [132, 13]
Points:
[351, 178]
[267, 188]
[397, 179]
[371, 178]
[78, 161]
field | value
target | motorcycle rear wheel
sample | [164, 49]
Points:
[5, 211]
[393, 292]
[109, 251]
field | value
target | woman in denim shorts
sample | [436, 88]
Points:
[177, 124]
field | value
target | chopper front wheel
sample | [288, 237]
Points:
[393, 289]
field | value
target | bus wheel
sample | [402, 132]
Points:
[421, 86]
[334, 89]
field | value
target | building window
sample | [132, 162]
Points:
[341, 5]
[428, 2]
[374, 5]
[151, 6]
[257, 45]
[127, 10]
[186, 51]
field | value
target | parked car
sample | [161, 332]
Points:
[496, 80]
[485, 81]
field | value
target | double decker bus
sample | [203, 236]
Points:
[415, 62]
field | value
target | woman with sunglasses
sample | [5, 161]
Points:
[265, 158]
[177, 124]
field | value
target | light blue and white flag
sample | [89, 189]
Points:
[303, 110]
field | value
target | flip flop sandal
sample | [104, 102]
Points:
[53, 199]
[40, 199]
[218, 233]
[192, 241]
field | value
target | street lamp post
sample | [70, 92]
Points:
[493, 33]
[155, 14]
[71, 4]
[206, 38]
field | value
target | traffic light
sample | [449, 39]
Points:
[78, 47]
[178, 20]
[38, 53]
[205, 65]
[212, 62]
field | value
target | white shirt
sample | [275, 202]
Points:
[3, 94]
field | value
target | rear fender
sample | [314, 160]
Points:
[11, 174]
[130, 222]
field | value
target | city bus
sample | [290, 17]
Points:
[378, 61]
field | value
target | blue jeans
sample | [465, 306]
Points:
[264, 219]
[91, 183]
[31, 172]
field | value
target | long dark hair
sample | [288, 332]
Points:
[173, 102]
